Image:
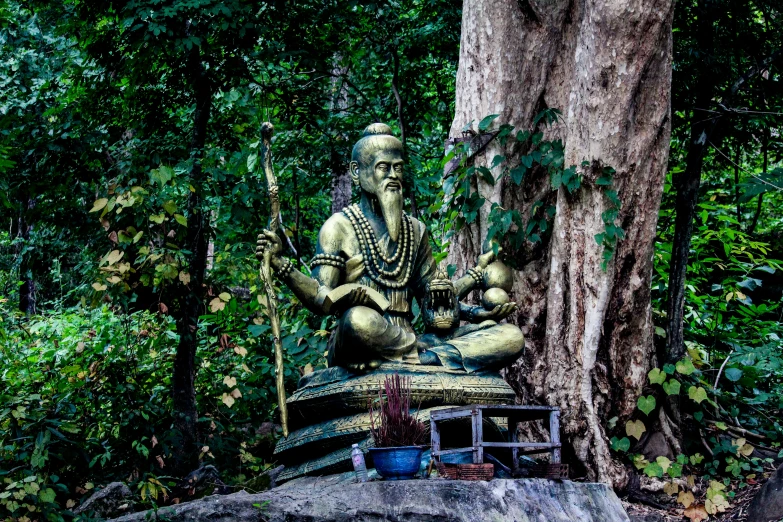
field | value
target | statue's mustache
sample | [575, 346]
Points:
[391, 184]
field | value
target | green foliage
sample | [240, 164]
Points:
[612, 231]
[532, 152]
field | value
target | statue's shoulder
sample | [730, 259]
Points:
[335, 231]
[337, 221]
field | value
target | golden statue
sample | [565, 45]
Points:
[372, 260]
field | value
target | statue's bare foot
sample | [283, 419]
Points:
[365, 366]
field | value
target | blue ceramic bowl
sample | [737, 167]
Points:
[397, 463]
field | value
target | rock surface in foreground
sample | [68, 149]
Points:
[338, 498]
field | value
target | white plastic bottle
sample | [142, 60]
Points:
[359, 466]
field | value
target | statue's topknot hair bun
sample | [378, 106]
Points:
[377, 129]
[375, 136]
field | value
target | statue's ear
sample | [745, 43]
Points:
[354, 168]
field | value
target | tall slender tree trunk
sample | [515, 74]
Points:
[27, 290]
[760, 198]
[687, 185]
[607, 66]
[184, 391]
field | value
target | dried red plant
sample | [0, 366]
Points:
[396, 426]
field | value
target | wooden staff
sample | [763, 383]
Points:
[266, 272]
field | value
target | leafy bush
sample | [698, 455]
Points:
[86, 399]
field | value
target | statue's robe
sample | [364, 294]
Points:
[363, 334]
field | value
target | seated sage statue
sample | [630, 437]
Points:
[373, 259]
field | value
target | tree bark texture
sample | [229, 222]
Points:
[197, 239]
[341, 176]
[607, 66]
[341, 183]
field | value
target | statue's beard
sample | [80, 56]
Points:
[391, 208]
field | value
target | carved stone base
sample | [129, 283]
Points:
[318, 402]
[329, 411]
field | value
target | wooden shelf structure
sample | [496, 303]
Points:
[514, 414]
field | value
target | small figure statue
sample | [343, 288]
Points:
[375, 245]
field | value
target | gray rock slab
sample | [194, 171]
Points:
[338, 498]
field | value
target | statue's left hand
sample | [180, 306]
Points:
[358, 297]
[498, 313]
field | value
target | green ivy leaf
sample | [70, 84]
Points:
[497, 160]
[486, 175]
[604, 181]
[47, 495]
[623, 444]
[162, 175]
[486, 122]
[685, 367]
[698, 394]
[675, 470]
[653, 469]
[646, 404]
[170, 207]
[517, 174]
[656, 376]
[671, 387]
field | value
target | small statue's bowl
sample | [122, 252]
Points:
[494, 297]
[498, 275]
[400, 463]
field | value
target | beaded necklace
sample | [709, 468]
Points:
[403, 257]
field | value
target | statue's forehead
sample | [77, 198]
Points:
[386, 154]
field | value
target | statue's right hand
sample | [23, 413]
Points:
[268, 241]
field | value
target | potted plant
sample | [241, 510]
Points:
[398, 435]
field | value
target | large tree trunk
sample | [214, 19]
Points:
[607, 67]
[196, 241]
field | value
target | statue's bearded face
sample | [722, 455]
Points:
[382, 178]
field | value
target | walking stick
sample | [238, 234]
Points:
[266, 272]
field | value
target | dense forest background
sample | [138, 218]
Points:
[133, 340]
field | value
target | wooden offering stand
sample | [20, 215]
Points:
[514, 414]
